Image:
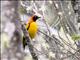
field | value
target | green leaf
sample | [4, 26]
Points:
[75, 37]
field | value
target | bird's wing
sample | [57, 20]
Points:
[27, 26]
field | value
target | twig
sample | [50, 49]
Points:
[58, 43]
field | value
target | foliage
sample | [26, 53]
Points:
[75, 37]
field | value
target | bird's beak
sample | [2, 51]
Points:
[39, 17]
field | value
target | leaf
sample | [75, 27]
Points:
[75, 37]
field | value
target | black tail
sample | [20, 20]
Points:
[24, 42]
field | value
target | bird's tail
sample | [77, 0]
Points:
[24, 42]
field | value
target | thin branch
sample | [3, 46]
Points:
[58, 43]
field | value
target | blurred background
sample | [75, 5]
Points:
[58, 36]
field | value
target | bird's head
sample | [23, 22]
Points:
[35, 17]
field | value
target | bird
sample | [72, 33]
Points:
[32, 28]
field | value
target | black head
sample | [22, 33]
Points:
[35, 17]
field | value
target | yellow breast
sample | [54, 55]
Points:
[32, 29]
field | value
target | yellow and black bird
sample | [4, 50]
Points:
[32, 28]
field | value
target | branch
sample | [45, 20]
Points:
[31, 48]
[56, 41]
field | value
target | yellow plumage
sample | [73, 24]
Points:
[32, 29]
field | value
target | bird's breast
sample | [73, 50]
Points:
[32, 29]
